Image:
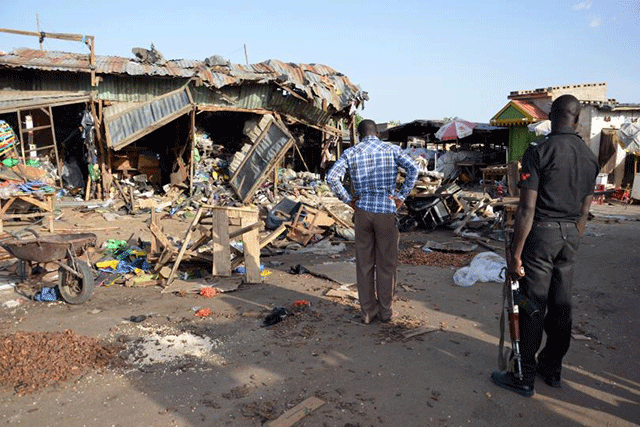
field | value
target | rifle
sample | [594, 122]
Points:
[511, 293]
[514, 322]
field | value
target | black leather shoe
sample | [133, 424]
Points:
[510, 382]
[552, 380]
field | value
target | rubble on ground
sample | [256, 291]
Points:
[438, 259]
[32, 361]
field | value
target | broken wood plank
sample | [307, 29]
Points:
[185, 243]
[158, 234]
[155, 242]
[204, 238]
[165, 256]
[82, 230]
[469, 213]
[407, 288]
[341, 293]
[179, 285]
[273, 236]
[120, 190]
[420, 331]
[244, 230]
[336, 217]
[153, 282]
[483, 242]
[298, 412]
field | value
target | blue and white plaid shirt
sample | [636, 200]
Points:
[373, 167]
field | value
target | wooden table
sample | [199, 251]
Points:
[45, 202]
[492, 174]
[229, 223]
[470, 168]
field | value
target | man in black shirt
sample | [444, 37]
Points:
[556, 188]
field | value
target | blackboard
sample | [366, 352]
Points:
[271, 145]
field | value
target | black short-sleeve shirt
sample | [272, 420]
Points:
[563, 170]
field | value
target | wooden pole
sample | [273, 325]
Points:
[38, 25]
[246, 56]
[55, 146]
[59, 36]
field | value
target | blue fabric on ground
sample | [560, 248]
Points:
[47, 294]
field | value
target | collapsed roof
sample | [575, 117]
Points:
[315, 82]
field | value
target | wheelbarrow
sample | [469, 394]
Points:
[75, 277]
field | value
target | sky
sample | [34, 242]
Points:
[416, 59]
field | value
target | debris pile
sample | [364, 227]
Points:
[36, 175]
[31, 361]
[438, 259]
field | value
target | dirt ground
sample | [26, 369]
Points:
[226, 370]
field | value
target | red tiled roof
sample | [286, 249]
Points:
[530, 109]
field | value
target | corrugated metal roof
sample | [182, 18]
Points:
[11, 100]
[314, 81]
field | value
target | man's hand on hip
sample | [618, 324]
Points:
[353, 201]
[397, 201]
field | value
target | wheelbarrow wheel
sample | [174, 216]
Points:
[76, 289]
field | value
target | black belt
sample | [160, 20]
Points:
[551, 224]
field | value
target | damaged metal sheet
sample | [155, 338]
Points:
[124, 127]
[272, 143]
[11, 100]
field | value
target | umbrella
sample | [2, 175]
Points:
[455, 129]
[540, 128]
[629, 135]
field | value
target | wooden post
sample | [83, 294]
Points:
[102, 158]
[21, 138]
[38, 25]
[220, 243]
[92, 60]
[55, 147]
[87, 191]
[251, 248]
[155, 242]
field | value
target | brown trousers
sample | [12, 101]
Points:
[376, 261]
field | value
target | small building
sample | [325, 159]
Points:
[599, 118]
[517, 115]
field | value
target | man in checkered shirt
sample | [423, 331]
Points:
[373, 168]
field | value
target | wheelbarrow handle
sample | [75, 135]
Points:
[32, 231]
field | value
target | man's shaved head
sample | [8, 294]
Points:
[367, 128]
[565, 111]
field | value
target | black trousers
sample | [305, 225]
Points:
[548, 259]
